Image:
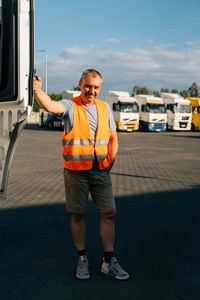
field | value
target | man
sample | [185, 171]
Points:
[90, 147]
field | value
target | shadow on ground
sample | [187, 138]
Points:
[157, 241]
[36, 127]
[188, 136]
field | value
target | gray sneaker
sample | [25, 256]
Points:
[114, 269]
[82, 271]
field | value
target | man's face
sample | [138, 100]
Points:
[90, 87]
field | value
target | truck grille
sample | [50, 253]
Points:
[129, 120]
[183, 124]
[131, 125]
[158, 126]
[157, 120]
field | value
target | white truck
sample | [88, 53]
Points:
[125, 110]
[16, 77]
[68, 94]
[153, 116]
[179, 111]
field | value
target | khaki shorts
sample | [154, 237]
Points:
[78, 184]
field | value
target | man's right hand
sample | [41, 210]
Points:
[44, 100]
[37, 84]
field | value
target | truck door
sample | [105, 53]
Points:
[16, 77]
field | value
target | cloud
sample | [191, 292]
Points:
[112, 40]
[154, 67]
[150, 41]
[195, 44]
[74, 52]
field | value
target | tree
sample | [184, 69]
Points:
[174, 91]
[164, 90]
[55, 97]
[156, 93]
[194, 90]
[140, 90]
[36, 107]
[184, 93]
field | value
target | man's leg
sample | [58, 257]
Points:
[102, 194]
[110, 265]
[77, 190]
[78, 234]
[78, 231]
[107, 228]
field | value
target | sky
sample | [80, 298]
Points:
[152, 43]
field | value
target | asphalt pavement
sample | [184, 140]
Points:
[157, 187]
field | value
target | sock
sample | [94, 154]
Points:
[108, 256]
[81, 252]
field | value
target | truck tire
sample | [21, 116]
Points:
[50, 125]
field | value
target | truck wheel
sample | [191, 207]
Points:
[192, 127]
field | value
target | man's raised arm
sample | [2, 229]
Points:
[44, 100]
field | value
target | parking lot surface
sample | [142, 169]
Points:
[156, 184]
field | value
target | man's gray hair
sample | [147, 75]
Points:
[90, 71]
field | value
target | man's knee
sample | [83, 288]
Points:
[108, 214]
[77, 218]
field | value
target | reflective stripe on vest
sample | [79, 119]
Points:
[101, 157]
[83, 157]
[77, 142]
[78, 157]
[84, 142]
[101, 142]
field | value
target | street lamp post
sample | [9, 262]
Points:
[45, 52]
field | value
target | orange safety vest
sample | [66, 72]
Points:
[79, 146]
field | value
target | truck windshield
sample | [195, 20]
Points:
[128, 107]
[156, 108]
[183, 108]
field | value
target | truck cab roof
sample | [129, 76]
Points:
[120, 96]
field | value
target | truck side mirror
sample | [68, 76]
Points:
[115, 107]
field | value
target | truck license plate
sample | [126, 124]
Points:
[57, 124]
